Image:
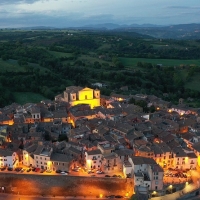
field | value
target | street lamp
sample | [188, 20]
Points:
[171, 188]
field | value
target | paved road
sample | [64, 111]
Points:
[18, 197]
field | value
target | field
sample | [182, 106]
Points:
[12, 66]
[27, 97]
[9, 66]
[60, 54]
[88, 58]
[131, 62]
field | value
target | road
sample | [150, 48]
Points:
[19, 197]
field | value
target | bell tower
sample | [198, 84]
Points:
[97, 94]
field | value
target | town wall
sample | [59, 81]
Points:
[63, 185]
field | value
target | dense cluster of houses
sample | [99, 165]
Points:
[106, 134]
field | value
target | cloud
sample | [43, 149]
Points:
[11, 2]
[183, 7]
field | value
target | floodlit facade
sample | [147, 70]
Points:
[8, 158]
[78, 95]
[93, 159]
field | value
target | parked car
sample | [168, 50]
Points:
[76, 170]
[48, 171]
[10, 169]
[90, 171]
[114, 175]
[42, 170]
[18, 169]
[110, 196]
[58, 171]
[33, 169]
[118, 196]
[64, 173]
[99, 172]
[28, 170]
[107, 176]
[37, 169]
[22, 170]
[3, 168]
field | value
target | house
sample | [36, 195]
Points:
[111, 163]
[42, 156]
[163, 154]
[119, 97]
[78, 95]
[196, 148]
[8, 158]
[28, 157]
[106, 147]
[93, 159]
[59, 161]
[147, 173]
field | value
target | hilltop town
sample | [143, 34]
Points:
[83, 133]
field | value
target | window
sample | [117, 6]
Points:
[156, 187]
[40, 158]
[85, 96]
[41, 163]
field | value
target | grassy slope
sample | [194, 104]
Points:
[60, 54]
[165, 62]
[27, 97]
[9, 66]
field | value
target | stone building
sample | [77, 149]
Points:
[77, 95]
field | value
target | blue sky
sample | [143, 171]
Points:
[65, 13]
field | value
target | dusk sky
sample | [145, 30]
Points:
[65, 13]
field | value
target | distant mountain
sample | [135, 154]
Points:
[179, 31]
[110, 26]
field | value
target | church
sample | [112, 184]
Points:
[75, 95]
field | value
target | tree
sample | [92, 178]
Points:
[131, 100]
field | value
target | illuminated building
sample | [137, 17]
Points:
[28, 157]
[93, 159]
[78, 95]
[147, 174]
[42, 156]
[8, 158]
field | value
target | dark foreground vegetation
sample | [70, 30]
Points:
[42, 63]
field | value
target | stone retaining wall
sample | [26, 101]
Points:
[63, 185]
